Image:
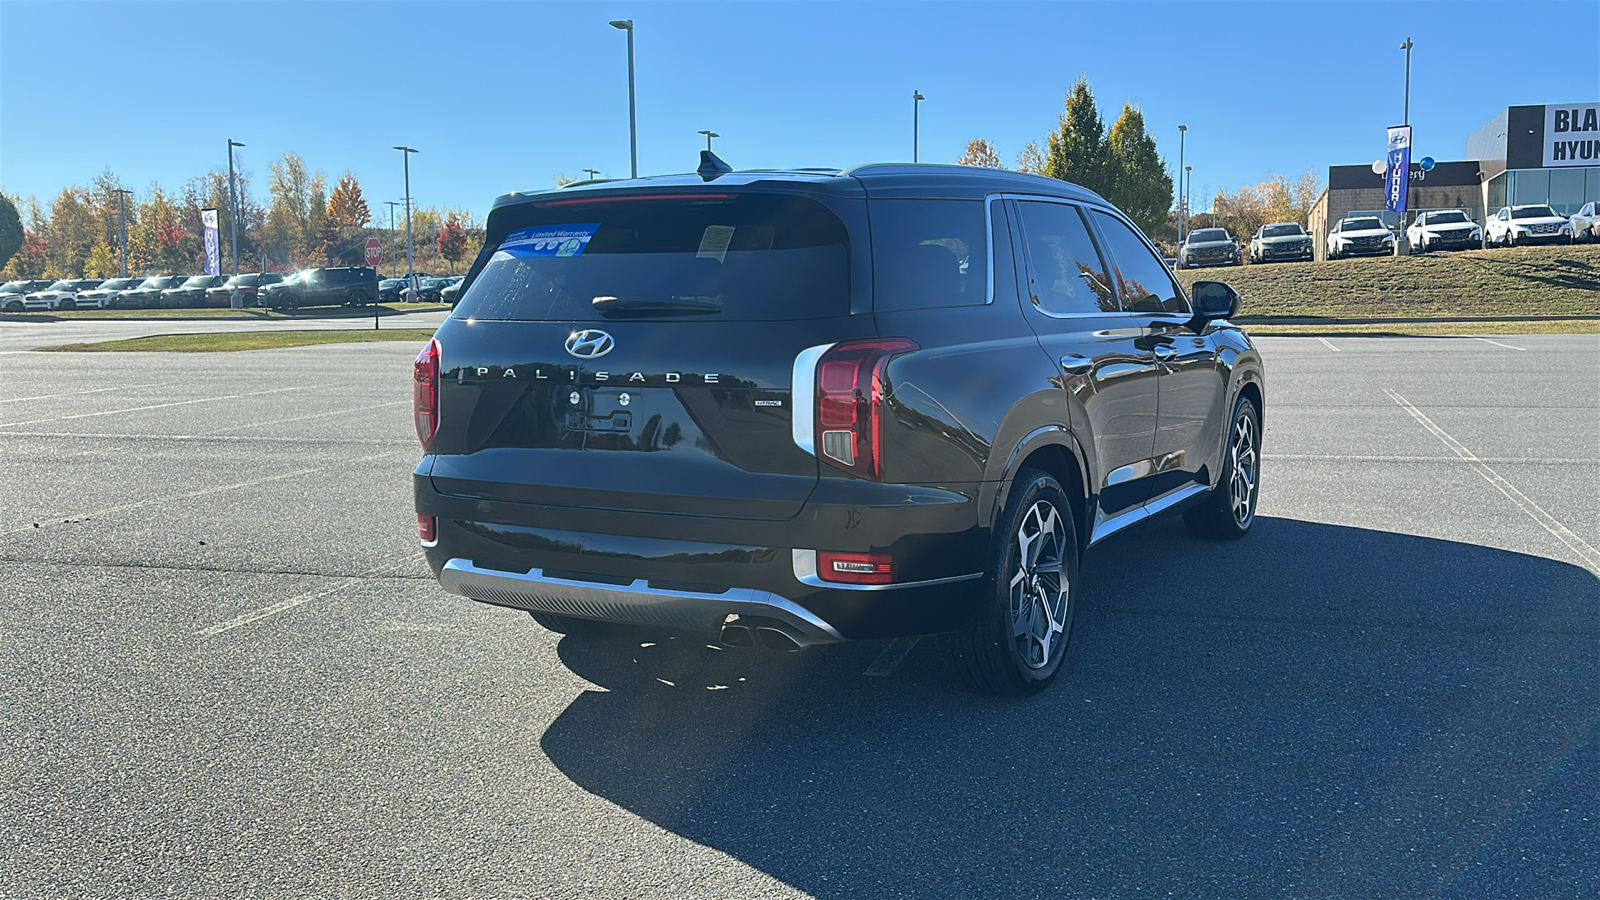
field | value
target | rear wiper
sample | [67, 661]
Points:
[654, 305]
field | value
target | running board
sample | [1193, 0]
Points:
[1107, 527]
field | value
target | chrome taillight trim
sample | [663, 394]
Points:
[803, 397]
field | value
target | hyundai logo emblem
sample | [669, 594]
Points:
[590, 344]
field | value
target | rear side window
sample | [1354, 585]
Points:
[929, 253]
[1145, 283]
[728, 257]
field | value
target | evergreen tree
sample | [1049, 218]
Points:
[10, 230]
[1139, 184]
[1076, 150]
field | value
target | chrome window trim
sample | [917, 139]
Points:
[805, 571]
[803, 397]
[989, 201]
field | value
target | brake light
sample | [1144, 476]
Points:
[425, 393]
[849, 403]
[854, 568]
[427, 530]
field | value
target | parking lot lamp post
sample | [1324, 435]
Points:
[233, 210]
[591, 173]
[633, 119]
[1188, 186]
[122, 227]
[1406, 117]
[411, 270]
[916, 121]
[709, 135]
[1402, 247]
[1183, 131]
[392, 261]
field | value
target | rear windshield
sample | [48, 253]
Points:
[731, 257]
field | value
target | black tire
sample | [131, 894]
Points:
[67, 305]
[15, 306]
[356, 298]
[1230, 509]
[576, 627]
[1026, 579]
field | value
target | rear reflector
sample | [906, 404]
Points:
[427, 530]
[854, 568]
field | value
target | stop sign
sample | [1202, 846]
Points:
[374, 251]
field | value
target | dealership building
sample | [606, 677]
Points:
[1525, 154]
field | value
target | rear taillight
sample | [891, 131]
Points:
[854, 568]
[427, 530]
[849, 403]
[425, 393]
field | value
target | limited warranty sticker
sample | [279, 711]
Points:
[548, 240]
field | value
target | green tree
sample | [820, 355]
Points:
[10, 230]
[981, 152]
[1138, 181]
[72, 233]
[101, 261]
[1076, 150]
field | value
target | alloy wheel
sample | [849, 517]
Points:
[1242, 463]
[1039, 588]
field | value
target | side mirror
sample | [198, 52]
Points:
[1215, 300]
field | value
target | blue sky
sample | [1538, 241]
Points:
[501, 96]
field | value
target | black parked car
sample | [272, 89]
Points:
[451, 292]
[191, 294]
[428, 290]
[389, 290]
[1209, 247]
[788, 408]
[148, 294]
[247, 284]
[327, 286]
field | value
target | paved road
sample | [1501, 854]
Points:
[19, 333]
[226, 672]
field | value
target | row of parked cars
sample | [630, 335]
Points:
[322, 286]
[1367, 235]
[429, 289]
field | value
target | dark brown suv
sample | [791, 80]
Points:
[326, 286]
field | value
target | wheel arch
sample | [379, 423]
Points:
[1055, 450]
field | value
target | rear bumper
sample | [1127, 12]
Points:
[690, 573]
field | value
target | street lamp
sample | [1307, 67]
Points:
[1402, 247]
[591, 173]
[122, 227]
[916, 122]
[233, 210]
[1406, 120]
[633, 120]
[1188, 185]
[709, 135]
[1183, 131]
[411, 271]
[392, 261]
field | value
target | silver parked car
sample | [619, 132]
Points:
[1586, 222]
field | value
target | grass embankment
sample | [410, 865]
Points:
[310, 312]
[243, 340]
[1520, 281]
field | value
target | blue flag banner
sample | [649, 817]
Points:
[208, 218]
[1397, 175]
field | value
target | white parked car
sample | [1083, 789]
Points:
[102, 296]
[1444, 229]
[1586, 222]
[1365, 236]
[1533, 224]
[62, 294]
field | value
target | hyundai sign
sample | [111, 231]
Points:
[208, 218]
[1395, 180]
[1572, 135]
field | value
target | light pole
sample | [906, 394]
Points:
[392, 261]
[1188, 184]
[709, 135]
[1402, 247]
[916, 121]
[633, 119]
[591, 173]
[233, 210]
[122, 227]
[1183, 132]
[411, 271]
[1406, 119]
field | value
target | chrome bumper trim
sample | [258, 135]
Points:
[637, 602]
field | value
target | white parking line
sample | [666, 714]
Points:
[1329, 344]
[299, 600]
[890, 657]
[120, 387]
[1590, 556]
[1507, 346]
[112, 412]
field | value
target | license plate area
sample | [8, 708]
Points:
[587, 409]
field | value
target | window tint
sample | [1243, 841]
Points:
[1065, 272]
[750, 257]
[929, 253]
[1146, 286]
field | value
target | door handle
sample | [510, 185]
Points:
[1164, 352]
[1076, 364]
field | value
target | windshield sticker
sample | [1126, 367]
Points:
[714, 242]
[546, 240]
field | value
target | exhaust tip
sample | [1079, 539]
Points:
[737, 636]
[780, 639]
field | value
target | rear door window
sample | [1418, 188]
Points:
[724, 257]
[929, 253]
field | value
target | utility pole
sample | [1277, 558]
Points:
[392, 261]
[122, 227]
[411, 270]
[233, 210]
[1183, 205]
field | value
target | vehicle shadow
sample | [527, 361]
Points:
[1315, 710]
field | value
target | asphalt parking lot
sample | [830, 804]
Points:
[226, 670]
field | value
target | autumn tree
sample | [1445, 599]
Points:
[155, 242]
[344, 219]
[1030, 158]
[71, 234]
[1137, 182]
[30, 259]
[1275, 200]
[981, 152]
[10, 230]
[101, 261]
[452, 241]
[1076, 150]
[297, 205]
